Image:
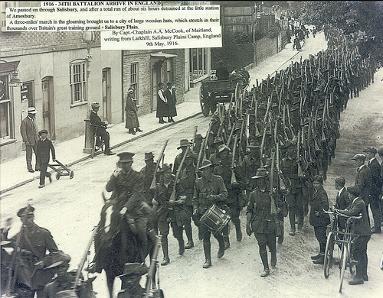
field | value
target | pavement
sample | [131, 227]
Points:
[70, 152]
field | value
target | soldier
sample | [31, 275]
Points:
[63, 285]
[148, 174]
[294, 195]
[250, 164]
[224, 169]
[34, 243]
[184, 144]
[127, 186]
[185, 190]
[213, 149]
[376, 187]
[197, 143]
[318, 219]
[130, 280]
[161, 207]
[261, 220]
[209, 189]
[100, 126]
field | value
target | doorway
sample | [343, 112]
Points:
[48, 106]
[106, 94]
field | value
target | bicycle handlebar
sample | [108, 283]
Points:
[336, 211]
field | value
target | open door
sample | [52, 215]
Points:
[106, 94]
[48, 106]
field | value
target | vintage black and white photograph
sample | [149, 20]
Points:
[191, 149]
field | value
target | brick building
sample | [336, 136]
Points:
[60, 74]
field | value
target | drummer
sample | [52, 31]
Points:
[210, 190]
[261, 221]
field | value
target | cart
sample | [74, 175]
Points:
[61, 170]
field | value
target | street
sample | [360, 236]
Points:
[70, 208]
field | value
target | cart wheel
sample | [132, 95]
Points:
[71, 174]
[58, 176]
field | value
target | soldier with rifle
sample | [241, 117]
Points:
[261, 220]
[209, 190]
[148, 172]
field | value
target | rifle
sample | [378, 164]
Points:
[240, 141]
[152, 269]
[263, 141]
[282, 183]
[273, 206]
[230, 136]
[179, 170]
[233, 178]
[160, 157]
[194, 135]
[300, 172]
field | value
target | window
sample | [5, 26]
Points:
[78, 82]
[27, 93]
[5, 108]
[134, 79]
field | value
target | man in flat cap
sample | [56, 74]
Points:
[376, 188]
[28, 130]
[100, 126]
[318, 219]
[43, 154]
[342, 200]
[363, 181]
[209, 190]
[362, 229]
[261, 220]
[35, 242]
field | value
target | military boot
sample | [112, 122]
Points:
[181, 247]
[221, 250]
[226, 242]
[273, 259]
[165, 251]
[238, 231]
[265, 263]
[207, 252]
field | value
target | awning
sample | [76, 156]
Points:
[8, 66]
[161, 55]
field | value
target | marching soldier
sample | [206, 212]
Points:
[197, 143]
[213, 150]
[209, 190]
[130, 280]
[294, 195]
[224, 169]
[161, 206]
[148, 173]
[261, 220]
[185, 190]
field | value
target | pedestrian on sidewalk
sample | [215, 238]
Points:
[170, 94]
[376, 187]
[318, 219]
[131, 118]
[44, 149]
[100, 127]
[162, 104]
[28, 130]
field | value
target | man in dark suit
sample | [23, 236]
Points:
[362, 229]
[363, 179]
[28, 130]
[376, 187]
[96, 122]
[43, 152]
[343, 200]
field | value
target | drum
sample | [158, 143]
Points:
[215, 219]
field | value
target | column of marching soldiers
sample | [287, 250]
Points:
[261, 152]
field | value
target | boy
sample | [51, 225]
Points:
[44, 149]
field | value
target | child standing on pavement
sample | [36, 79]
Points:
[44, 149]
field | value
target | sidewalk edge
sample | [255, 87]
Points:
[98, 153]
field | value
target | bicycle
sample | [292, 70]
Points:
[343, 238]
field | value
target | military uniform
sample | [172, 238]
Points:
[209, 191]
[294, 196]
[34, 243]
[263, 222]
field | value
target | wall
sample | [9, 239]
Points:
[264, 48]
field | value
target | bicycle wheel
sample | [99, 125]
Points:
[344, 261]
[328, 255]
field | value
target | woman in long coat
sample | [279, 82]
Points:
[162, 103]
[131, 118]
[170, 94]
